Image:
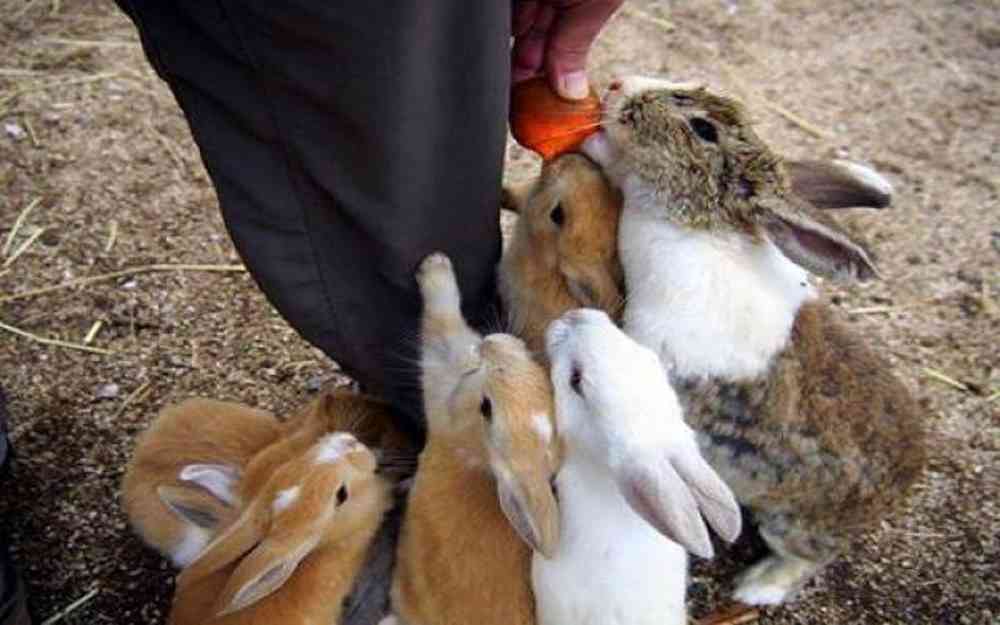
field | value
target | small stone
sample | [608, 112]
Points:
[108, 391]
[14, 131]
[314, 383]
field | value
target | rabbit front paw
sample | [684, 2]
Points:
[438, 287]
[773, 580]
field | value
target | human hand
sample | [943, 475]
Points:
[553, 37]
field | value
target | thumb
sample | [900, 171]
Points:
[573, 31]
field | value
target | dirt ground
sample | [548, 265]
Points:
[95, 143]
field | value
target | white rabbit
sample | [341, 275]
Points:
[632, 483]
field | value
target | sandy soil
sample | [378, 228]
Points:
[88, 131]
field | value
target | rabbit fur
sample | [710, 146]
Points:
[482, 492]
[803, 419]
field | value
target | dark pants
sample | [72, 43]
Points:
[346, 141]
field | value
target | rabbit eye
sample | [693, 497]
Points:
[575, 379]
[682, 100]
[486, 409]
[704, 129]
[557, 216]
[341, 495]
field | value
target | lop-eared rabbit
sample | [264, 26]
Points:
[294, 553]
[481, 499]
[632, 487]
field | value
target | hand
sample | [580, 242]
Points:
[553, 37]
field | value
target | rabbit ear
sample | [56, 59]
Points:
[839, 184]
[531, 508]
[265, 570]
[656, 492]
[192, 505]
[515, 196]
[218, 479]
[715, 500]
[236, 540]
[816, 244]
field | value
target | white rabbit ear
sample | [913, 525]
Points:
[817, 246]
[218, 479]
[265, 570]
[192, 505]
[839, 184]
[715, 500]
[656, 492]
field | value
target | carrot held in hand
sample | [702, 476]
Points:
[542, 121]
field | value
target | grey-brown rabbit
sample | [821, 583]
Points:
[803, 420]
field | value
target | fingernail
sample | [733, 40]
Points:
[574, 85]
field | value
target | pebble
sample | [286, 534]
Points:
[14, 131]
[108, 391]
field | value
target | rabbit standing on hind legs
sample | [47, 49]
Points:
[482, 491]
[802, 419]
[632, 483]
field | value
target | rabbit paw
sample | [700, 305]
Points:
[773, 580]
[436, 278]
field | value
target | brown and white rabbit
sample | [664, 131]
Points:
[482, 492]
[564, 250]
[181, 484]
[804, 421]
[293, 554]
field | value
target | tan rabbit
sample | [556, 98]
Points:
[293, 554]
[804, 420]
[564, 251]
[490, 457]
[181, 484]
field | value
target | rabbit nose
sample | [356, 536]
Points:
[615, 85]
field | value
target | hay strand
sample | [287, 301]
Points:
[639, 14]
[23, 247]
[112, 236]
[941, 377]
[120, 274]
[92, 333]
[60, 615]
[17, 225]
[52, 85]
[54, 342]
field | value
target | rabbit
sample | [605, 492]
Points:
[481, 499]
[631, 485]
[293, 554]
[804, 421]
[564, 250]
[181, 484]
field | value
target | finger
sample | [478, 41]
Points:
[523, 16]
[529, 49]
[570, 37]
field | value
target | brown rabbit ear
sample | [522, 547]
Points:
[515, 196]
[218, 479]
[817, 245]
[531, 508]
[239, 538]
[839, 184]
[193, 505]
[265, 570]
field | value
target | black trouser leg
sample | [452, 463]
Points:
[347, 140]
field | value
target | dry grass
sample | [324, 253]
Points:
[114, 184]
